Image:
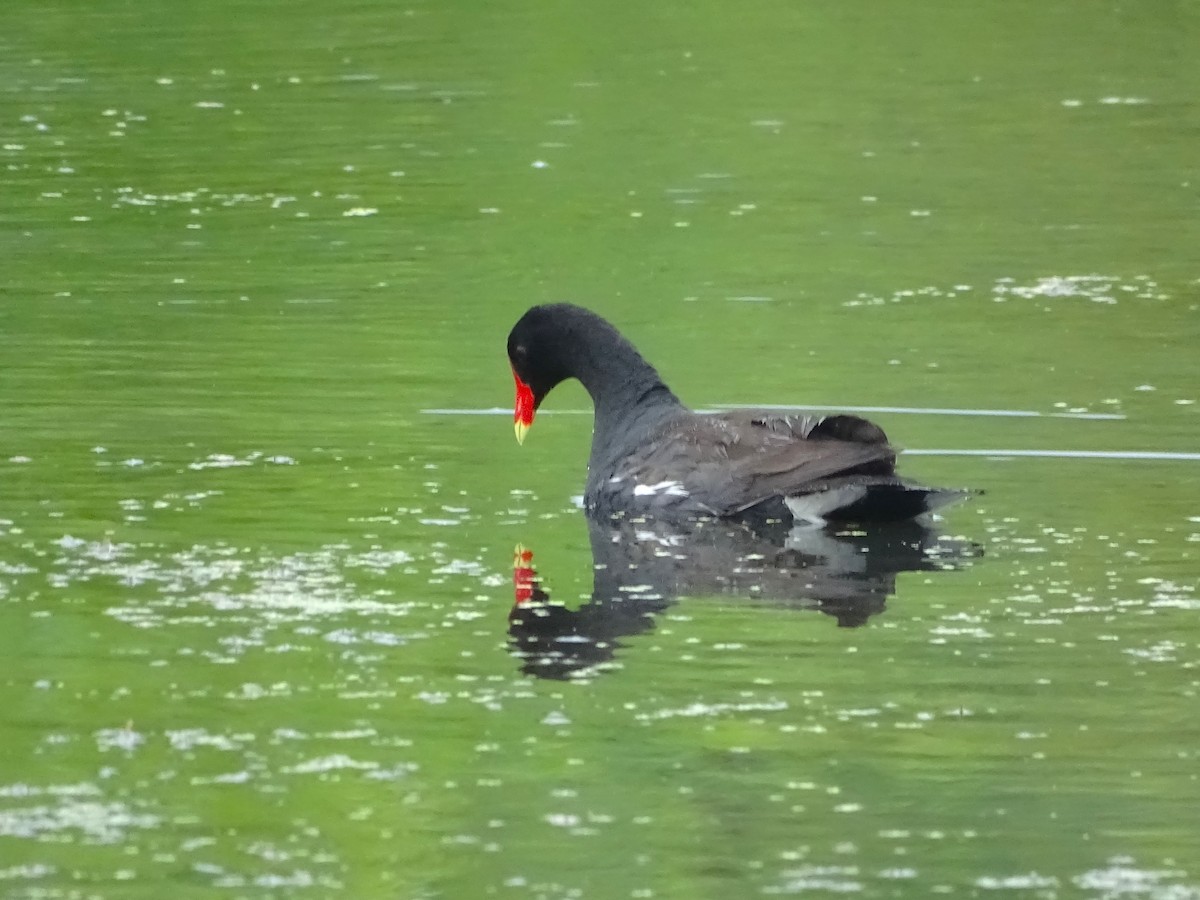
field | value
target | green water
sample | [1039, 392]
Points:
[253, 601]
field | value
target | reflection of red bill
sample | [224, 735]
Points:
[523, 408]
[524, 577]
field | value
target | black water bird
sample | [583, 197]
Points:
[651, 455]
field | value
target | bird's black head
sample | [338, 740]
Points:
[539, 350]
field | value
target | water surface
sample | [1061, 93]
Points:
[254, 602]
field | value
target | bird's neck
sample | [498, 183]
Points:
[630, 398]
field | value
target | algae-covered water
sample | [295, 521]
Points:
[255, 590]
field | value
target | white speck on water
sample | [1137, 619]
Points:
[696, 710]
[539, 164]
[209, 104]
[373, 638]
[1027, 882]
[329, 764]
[827, 879]
[1096, 288]
[459, 567]
[360, 212]
[118, 739]
[1123, 879]
[218, 461]
[223, 778]
[104, 823]
[191, 738]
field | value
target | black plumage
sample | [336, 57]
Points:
[652, 455]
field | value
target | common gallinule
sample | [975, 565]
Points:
[652, 455]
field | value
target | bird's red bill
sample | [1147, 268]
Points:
[523, 408]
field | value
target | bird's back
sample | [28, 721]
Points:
[722, 464]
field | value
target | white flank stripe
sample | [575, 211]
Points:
[671, 488]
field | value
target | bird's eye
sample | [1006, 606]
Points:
[519, 352]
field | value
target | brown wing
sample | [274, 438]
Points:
[731, 461]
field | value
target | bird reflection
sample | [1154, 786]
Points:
[642, 567]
